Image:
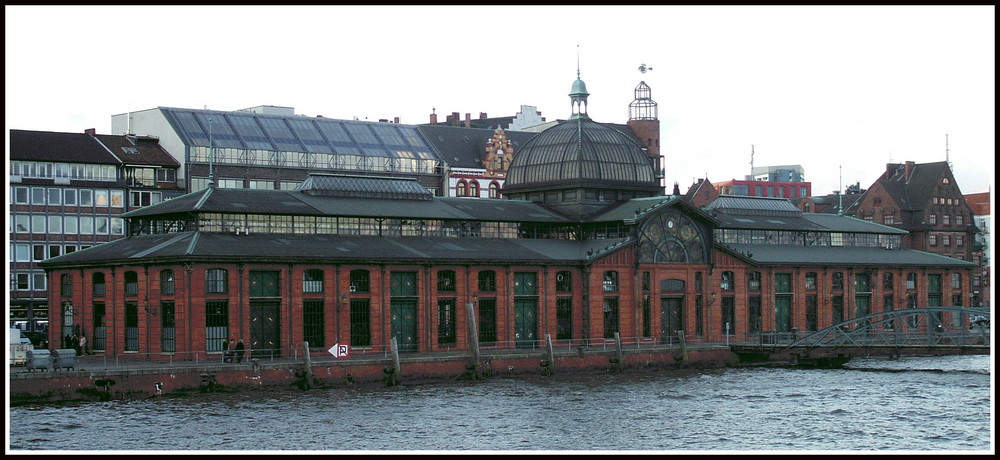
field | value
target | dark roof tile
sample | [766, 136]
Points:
[58, 147]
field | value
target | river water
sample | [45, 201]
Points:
[938, 404]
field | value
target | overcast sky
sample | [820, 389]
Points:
[840, 90]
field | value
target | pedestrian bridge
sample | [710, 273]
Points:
[925, 326]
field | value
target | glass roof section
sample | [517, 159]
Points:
[297, 133]
[364, 187]
[581, 151]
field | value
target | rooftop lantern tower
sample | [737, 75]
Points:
[578, 94]
[644, 121]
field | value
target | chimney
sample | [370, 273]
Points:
[482, 115]
[90, 131]
[434, 118]
[468, 119]
[395, 120]
[909, 171]
[455, 120]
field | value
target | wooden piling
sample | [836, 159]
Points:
[552, 357]
[395, 358]
[308, 366]
[620, 363]
[684, 348]
[473, 336]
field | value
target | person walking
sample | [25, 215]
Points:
[83, 345]
[239, 350]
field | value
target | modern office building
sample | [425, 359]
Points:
[786, 181]
[68, 192]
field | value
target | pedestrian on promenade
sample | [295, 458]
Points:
[83, 345]
[239, 350]
[227, 354]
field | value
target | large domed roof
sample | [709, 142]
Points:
[581, 153]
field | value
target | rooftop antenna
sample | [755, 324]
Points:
[642, 67]
[945, 146]
[946, 158]
[840, 191]
[751, 160]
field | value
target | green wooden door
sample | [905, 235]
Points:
[671, 316]
[783, 313]
[525, 322]
[404, 324]
[265, 328]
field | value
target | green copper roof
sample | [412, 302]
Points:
[579, 88]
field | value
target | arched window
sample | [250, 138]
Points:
[216, 281]
[494, 189]
[460, 188]
[66, 285]
[887, 283]
[359, 281]
[131, 283]
[446, 281]
[610, 281]
[312, 281]
[564, 281]
[753, 281]
[98, 282]
[474, 188]
[166, 282]
[487, 281]
[838, 280]
[728, 281]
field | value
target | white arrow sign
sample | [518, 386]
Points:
[338, 350]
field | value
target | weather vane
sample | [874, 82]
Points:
[643, 68]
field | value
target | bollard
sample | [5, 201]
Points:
[619, 358]
[552, 358]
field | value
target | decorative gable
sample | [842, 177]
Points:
[499, 153]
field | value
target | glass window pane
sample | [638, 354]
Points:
[361, 132]
[309, 135]
[249, 130]
[280, 134]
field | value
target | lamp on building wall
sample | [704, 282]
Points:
[711, 299]
[67, 307]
